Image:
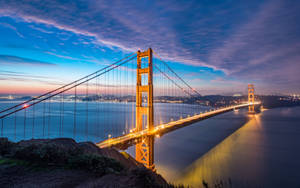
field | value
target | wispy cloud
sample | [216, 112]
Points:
[12, 28]
[62, 56]
[41, 29]
[16, 60]
[24, 77]
[270, 36]
[19, 74]
[249, 40]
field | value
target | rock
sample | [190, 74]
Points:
[125, 159]
[89, 148]
[66, 144]
[72, 165]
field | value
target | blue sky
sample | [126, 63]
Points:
[217, 46]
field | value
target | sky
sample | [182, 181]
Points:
[217, 46]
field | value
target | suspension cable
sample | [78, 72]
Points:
[173, 81]
[113, 66]
[177, 75]
[67, 84]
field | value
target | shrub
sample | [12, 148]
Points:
[95, 163]
[41, 153]
[6, 146]
[59, 154]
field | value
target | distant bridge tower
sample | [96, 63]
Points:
[251, 98]
[144, 150]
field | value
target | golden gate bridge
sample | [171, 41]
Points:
[131, 91]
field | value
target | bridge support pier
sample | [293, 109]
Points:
[144, 112]
[144, 152]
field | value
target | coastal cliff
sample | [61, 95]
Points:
[65, 163]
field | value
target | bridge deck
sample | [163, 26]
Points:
[164, 128]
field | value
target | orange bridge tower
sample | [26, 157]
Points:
[144, 108]
[251, 98]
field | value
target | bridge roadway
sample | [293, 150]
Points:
[124, 141]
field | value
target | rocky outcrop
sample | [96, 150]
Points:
[64, 163]
[126, 160]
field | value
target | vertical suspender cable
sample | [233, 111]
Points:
[117, 100]
[44, 113]
[49, 116]
[60, 114]
[15, 126]
[2, 127]
[100, 95]
[63, 114]
[86, 110]
[75, 101]
[33, 118]
[24, 122]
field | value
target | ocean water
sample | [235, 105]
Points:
[235, 149]
[261, 150]
[83, 121]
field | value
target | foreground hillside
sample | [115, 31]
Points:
[65, 163]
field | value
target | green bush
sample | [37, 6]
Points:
[95, 163]
[60, 155]
[46, 153]
[5, 146]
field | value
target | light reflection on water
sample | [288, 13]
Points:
[263, 152]
[218, 161]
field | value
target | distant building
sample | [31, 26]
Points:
[237, 95]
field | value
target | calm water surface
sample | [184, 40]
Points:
[92, 121]
[262, 150]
